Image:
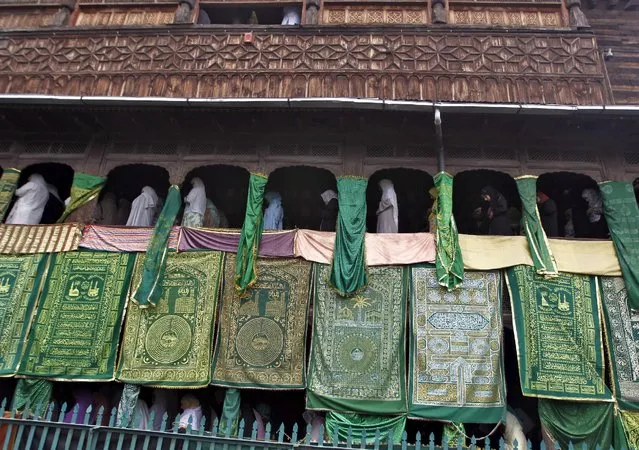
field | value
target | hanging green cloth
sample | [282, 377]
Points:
[85, 188]
[449, 263]
[348, 271]
[360, 423]
[622, 215]
[578, 422]
[247, 249]
[231, 412]
[630, 423]
[454, 432]
[149, 290]
[543, 260]
[126, 407]
[8, 184]
[34, 392]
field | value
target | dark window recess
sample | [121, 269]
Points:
[242, 15]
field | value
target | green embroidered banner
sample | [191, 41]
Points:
[8, 185]
[20, 278]
[348, 270]
[85, 188]
[622, 333]
[630, 422]
[251, 235]
[543, 260]
[449, 263]
[75, 333]
[262, 336]
[455, 348]
[558, 335]
[357, 350]
[148, 290]
[622, 216]
[171, 345]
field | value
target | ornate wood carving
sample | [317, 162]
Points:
[336, 14]
[460, 66]
[502, 16]
[20, 17]
[110, 16]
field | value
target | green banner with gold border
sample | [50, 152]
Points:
[77, 327]
[558, 335]
[262, 333]
[8, 185]
[170, 345]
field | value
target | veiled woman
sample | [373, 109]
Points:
[497, 212]
[329, 213]
[387, 212]
[274, 213]
[143, 209]
[32, 197]
[597, 225]
[195, 208]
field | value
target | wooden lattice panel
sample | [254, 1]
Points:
[506, 17]
[20, 18]
[334, 14]
[110, 16]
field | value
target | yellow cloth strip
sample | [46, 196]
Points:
[27, 239]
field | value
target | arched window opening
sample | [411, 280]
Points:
[475, 213]
[123, 185]
[59, 178]
[301, 189]
[226, 189]
[413, 199]
[578, 203]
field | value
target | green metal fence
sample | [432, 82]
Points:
[42, 429]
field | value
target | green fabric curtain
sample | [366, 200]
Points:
[449, 264]
[578, 422]
[126, 407]
[8, 184]
[85, 188]
[149, 291]
[247, 249]
[34, 392]
[348, 270]
[359, 423]
[622, 215]
[543, 260]
[231, 412]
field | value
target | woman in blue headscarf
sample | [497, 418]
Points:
[274, 214]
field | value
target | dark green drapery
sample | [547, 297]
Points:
[360, 423]
[8, 185]
[578, 422]
[149, 291]
[348, 271]
[542, 257]
[231, 412]
[85, 188]
[247, 249]
[622, 215]
[449, 264]
[34, 393]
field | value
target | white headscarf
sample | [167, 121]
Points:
[328, 195]
[388, 193]
[291, 15]
[143, 209]
[595, 204]
[514, 432]
[274, 214]
[32, 197]
[196, 200]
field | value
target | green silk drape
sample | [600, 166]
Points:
[360, 423]
[622, 215]
[85, 188]
[348, 274]
[449, 263]
[543, 260]
[8, 185]
[578, 422]
[149, 291]
[249, 245]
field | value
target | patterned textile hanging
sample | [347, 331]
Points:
[84, 189]
[348, 274]
[149, 290]
[622, 216]
[449, 263]
[248, 247]
[8, 185]
[542, 256]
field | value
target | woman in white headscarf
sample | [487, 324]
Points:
[291, 15]
[195, 205]
[387, 212]
[329, 213]
[274, 214]
[32, 197]
[597, 228]
[191, 413]
[143, 209]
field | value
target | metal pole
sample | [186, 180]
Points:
[441, 164]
